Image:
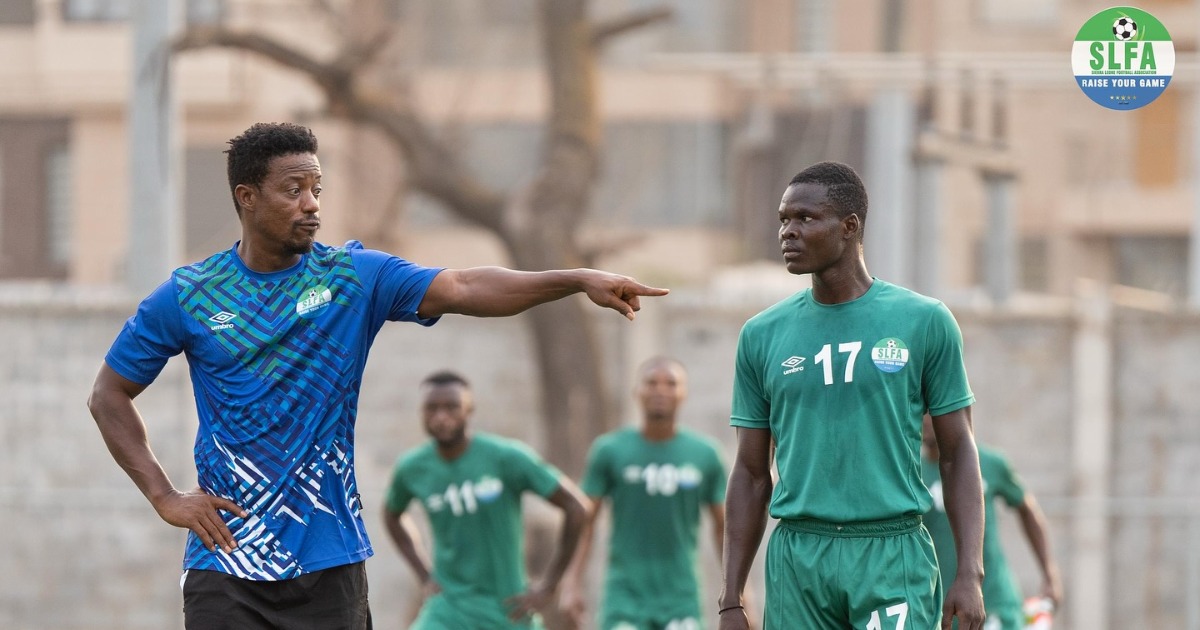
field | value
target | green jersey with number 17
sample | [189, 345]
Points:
[842, 387]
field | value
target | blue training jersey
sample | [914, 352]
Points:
[276, 361]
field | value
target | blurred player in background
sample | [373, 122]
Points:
[658, 477]
[470, 485]
[276, 331]
[835, 379]
[1001, 595]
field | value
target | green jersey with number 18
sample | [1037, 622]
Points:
[658, 490]
[842, 387]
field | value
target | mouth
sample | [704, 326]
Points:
[311, 226]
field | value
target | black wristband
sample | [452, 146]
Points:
[725, 610]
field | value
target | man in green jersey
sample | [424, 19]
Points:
[1001, 595]
[470, 486]
[834, 380]
[658, 478]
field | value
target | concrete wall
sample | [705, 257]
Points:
[87, 551]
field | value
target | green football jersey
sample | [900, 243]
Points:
[999, 480]
[842, 387]
[474, 509]
[657, 491]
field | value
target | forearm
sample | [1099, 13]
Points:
[745, 521]
[402, 532]
[1034, 525]
[573, 527]
[500, 292]
[574, 576]
[963, 495]
[124, 434]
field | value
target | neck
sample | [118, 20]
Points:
[453, 450]
[658, 429]
[264, 260]
[842, 283]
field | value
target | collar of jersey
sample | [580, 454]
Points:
[876, 284]
[268, 277]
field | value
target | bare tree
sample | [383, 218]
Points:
[538, 223]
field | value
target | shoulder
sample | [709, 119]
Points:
[415, 457]
[218, 265]
[782, 313]
[699, 440]
[896, 295]
[502, 446]
[992, 457]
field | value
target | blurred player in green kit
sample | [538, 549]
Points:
[832, 383]
[658, 478]
[470, 486]
[1001, 596]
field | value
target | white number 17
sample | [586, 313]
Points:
[899, 610]
[825, 359]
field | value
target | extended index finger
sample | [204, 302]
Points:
[637, 288]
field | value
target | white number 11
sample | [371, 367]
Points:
[825, 359]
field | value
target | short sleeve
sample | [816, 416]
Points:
[531, 472]
[597, 475]
[715, 478]
[398, 493]
[154, 334]
[751, 407]
[944, 380]
[1008, 483]
[398, 286]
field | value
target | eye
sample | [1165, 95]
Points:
[293, 191]
[317, 191]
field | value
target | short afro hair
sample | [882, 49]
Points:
[843, 187]
[445, 377]
[250, 154]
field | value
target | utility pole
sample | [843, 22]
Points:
[155, 230]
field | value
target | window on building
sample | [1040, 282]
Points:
[1157, 263]
[209, 219]
[97, 10]
[35, 186]
[58, 204]
[195, 11]
[17, 12]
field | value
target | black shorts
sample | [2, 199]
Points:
[331, 599]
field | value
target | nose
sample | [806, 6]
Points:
[787, 231]
[309, 202]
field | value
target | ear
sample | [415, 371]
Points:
[245, 195]
[851, 226]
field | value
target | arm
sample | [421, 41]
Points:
[499, 292]
[571, 599]
[962, 491]
[124, 432]
[1034, 524]
[570, 501]
[408, 541]
[746, 519]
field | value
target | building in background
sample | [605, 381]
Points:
[706, 118]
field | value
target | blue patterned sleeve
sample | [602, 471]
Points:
[154, 334]
[397, 285]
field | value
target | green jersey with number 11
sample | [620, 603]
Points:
[842, 387]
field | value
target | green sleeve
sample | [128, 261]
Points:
[1006, 482]
[531, 472]
[398, 493]
[751, 407]
[944, 378]
[597, 474]
[716, 478]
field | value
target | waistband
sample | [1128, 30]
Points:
[860, 529]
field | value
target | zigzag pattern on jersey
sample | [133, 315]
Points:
[277, 448]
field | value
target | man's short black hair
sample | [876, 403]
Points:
[843, 187]
[445, 377]
[250, 154]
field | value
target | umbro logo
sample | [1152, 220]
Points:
[793, 364]
[221, 320]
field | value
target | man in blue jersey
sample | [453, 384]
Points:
[831, 384]
[276, 331]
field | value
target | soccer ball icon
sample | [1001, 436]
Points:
[1125, 29]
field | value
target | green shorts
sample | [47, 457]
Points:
[867, 576]
[468, 613]
[646, 621]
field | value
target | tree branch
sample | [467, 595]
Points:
[608, 29]
[433, 167]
